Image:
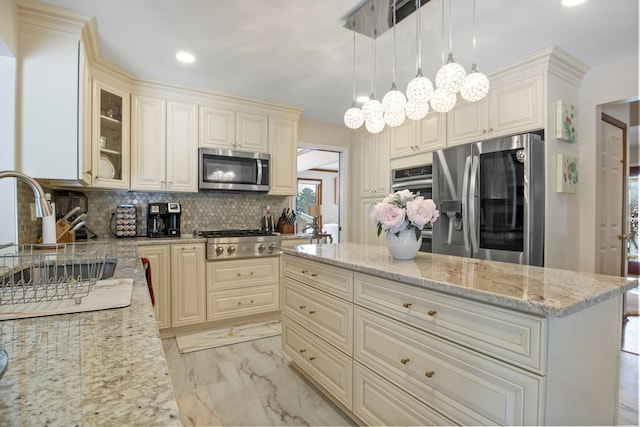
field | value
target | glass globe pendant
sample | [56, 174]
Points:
[416, 110]
[420, 89]
[375, 124]
[443, 101]
[451, 76]
[354, 117]
[394, 119]
[372, 109]
[476, 85]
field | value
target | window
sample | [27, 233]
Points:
[309, 193]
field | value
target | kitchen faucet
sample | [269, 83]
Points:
[43, 209]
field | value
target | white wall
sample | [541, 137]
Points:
[610, 83]
[8, 48]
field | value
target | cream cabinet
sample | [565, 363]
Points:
[159, 257]
[164, 145]
[188, 284]
[222, 126]
[179, 282]
[376, 175]
[422, 136]
[110, 136]
[317, 329]
[242, 287]
[283, 139]
[514, 104]
[368, 229]
[53, 94]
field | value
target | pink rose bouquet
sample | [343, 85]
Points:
[404, 210]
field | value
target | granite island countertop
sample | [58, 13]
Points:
[94, 368]
[543, 291]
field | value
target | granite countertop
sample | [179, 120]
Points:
[102, 367]
[543, 291]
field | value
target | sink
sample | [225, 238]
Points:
[57, 271]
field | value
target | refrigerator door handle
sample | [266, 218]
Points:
[465, 199]
[472, 204]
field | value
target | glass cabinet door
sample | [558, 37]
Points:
[111, 137]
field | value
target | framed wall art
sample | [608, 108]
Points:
[566, 174]
[566, 118]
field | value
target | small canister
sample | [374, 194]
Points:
[126, 221]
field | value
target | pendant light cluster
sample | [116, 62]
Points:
[451, 79]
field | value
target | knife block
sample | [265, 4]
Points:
[285, 228]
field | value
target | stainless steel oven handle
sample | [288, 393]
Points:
[427, 233]
[472, 201]
[418, 183]
[465, 196]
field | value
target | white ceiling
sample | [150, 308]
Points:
[297, 52]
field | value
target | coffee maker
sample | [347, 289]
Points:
[163, 220]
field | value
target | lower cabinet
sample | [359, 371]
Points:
[179, 286]
[388, 363]
[243, 287]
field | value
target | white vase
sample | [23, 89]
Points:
[404, 245]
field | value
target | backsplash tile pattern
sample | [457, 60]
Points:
[200, 211]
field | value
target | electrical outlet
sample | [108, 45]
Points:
[33, 211]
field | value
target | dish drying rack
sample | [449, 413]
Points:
[39, 273]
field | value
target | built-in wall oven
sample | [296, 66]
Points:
[416, 179]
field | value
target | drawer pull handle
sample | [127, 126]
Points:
[314, 274]
[406, 305]
[405, 360]
[429, 374]
[250, 274]
[303, 350]
[251, 302]
[302, 307]
[305, 271]
[312, 358]
[432, 313]
[312, 312]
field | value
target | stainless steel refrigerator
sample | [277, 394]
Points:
[491, 200]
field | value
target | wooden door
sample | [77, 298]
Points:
[611, 197]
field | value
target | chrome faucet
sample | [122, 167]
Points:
[42, 207]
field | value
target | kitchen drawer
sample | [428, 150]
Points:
[242, 272]
[334, 280]
[466, 386]
[379, 403]
[513, 337]
[327, 316]
[329, 367]
[230, 303]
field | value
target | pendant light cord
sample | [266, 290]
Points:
[354, 60]
[373, 51]
[443, 32]
[393, 71]
[418, 39]
[450, 32]
[475, 59]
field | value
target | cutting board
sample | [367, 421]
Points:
[112, 293]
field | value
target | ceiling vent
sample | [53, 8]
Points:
[362, 19]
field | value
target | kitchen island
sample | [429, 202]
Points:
[94, 368]
[449, 340]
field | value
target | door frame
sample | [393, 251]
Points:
[625, 175]
[343, 180]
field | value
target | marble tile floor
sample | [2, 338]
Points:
[246, 384]
[226, 336]
[252, 384]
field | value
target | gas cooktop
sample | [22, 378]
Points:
[233, 233]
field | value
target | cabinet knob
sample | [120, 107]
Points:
[490, 129]
[312, 312]
[302, 307]
[405, 360]
[251, 302]
[305, 271]
[314, 274]
[483, 131]
[406, 305]
[432, 313]
[429, 374]
[312, 358]
[303, 350]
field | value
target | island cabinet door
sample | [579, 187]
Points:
[379, 403]
[331, 368]
[466, 386]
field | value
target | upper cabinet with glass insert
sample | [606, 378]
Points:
[110, 136]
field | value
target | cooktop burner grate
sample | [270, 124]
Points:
[233, 233]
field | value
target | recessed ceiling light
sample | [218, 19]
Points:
[185, 57]
[570, 3]
[362, 99]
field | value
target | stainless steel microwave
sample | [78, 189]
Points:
[229, 170]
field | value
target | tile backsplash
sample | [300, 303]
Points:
[200, 211]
